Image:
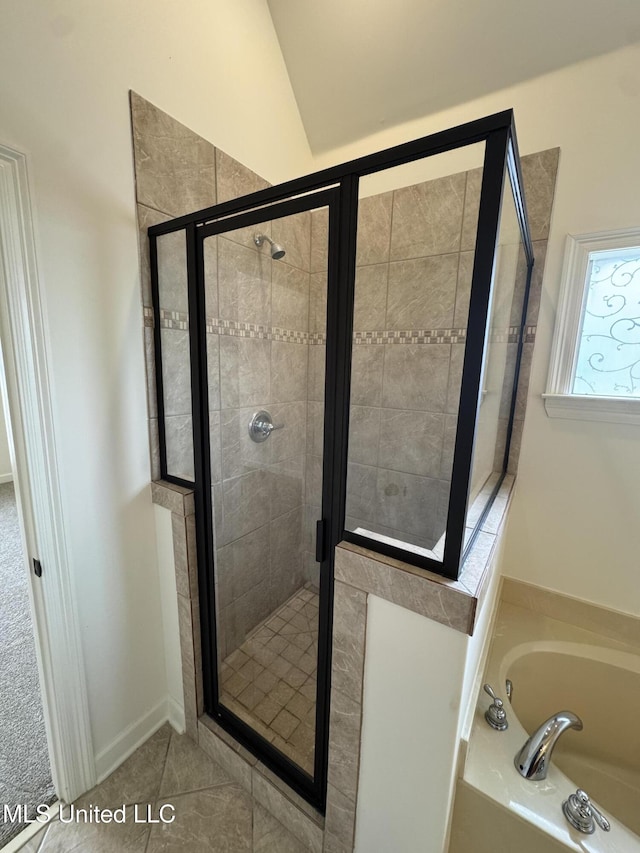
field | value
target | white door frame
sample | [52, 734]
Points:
[56, 623]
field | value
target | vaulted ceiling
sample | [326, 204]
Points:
[357, 66]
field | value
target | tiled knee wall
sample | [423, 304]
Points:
[180, 503]
[257, 343]
[335, 833]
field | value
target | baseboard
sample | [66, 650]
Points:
[6, 478]
[175, 715]
[110, 758]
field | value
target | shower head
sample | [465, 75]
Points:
[277, 252]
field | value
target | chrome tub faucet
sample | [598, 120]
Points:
[533, 760]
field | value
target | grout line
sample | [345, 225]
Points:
[219, 365]
[464, 207]
[216, 152]
[146, 845]
[177, 794]
[388, 263]
[449, 384]
[164, 766]
[253, 816]
[156, 209]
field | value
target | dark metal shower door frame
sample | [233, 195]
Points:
[313, 787]
[339, 185]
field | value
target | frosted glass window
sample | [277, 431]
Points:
[608, 359]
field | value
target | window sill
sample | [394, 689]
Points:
[614, 410]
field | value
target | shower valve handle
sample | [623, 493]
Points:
[261, 426]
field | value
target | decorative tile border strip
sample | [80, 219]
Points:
[505, 336]
[174, 320]
[316, 338]
[215, 326]
[250, 330]
[412, 336]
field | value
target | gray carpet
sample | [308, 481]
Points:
[25, 775]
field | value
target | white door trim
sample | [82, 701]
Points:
[56, 623]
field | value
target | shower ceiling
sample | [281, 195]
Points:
[357, 67]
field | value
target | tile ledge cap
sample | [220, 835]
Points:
[475, 586]
[177, 499]
[422, 574]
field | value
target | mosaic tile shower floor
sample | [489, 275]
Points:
[270, 681]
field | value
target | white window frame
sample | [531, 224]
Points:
[559, 400]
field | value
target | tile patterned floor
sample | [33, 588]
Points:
[270, 681]
[212, 813]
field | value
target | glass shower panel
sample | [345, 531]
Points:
[415, 246]
[265, 289]
[176, 359]
[508, 292]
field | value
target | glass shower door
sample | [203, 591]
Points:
[265, 291]
[336, 341]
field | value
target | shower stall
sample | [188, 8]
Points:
[337, 359]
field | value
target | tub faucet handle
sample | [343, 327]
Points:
[582, 814]
[495, 714]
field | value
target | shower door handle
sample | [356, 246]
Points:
[320, 540]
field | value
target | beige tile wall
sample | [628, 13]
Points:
[409, 277]
[170, 162]
[258, 489]
[414, 266]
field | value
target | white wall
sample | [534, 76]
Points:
[413, 676]
[420, 690]
[65, 71]
[573, 526]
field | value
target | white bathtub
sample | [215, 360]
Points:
[569, 669]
